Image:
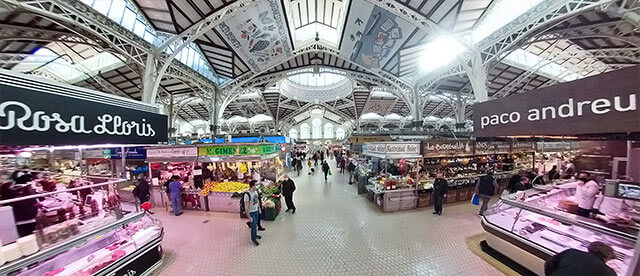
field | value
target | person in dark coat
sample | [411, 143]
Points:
[553, 173]
[440, 189]
[576, 262]
[299, 165]
[288, 187]
[325, 169]
[514, 181]
[485, 189]
[142, 191]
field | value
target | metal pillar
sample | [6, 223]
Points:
[459, 108]
[149, 78]
[417, 112]
[478, 77]
[213, 115]
[171, 111]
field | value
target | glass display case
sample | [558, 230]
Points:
[529, 232]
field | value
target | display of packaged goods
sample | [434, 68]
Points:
[11, 252]
[542, 226]
[28, 244]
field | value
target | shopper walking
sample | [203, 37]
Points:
[174, 192]
[440, 189]
[252, 205]
[485, 189]
[576, 262]
[325, 169]
[299, 165]
[288, 187]
[586, 193]
[343, 163]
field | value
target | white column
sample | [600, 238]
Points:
[149, 94]
[478, 77]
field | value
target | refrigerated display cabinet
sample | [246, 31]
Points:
[529, 234]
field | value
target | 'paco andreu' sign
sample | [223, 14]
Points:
[29, 117]
[606, 103]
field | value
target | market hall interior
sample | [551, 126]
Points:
[334, 231]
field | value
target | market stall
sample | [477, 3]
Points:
[394, 166]
[533, 225]
[68, 219]
[214, 177]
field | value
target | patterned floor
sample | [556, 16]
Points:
[334, 232]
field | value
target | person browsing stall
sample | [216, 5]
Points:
[175, 194]
[252, 205]
[485, 189]
[576, 262]
[440, 189]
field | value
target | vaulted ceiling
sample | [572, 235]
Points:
[377, 44]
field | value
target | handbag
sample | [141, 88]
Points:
[329, 172]
[475, 200]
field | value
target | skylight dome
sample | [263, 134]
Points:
[317, 79]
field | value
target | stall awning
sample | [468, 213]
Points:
[394, 156]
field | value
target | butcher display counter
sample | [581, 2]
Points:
[533, 225]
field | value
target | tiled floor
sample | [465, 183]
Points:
[334, 232]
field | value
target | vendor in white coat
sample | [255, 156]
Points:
[586, 193]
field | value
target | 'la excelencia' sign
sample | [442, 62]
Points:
[605, 103]
[237, 150]
[31, 117]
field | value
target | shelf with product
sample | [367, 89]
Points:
[392, 180]
[533, 225]
[52, 227]
[213, 177]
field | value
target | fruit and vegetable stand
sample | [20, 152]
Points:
[224, 194]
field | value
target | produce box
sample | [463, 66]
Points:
[224, 202]
[271, 213]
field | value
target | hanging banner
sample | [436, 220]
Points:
[605, 103]
[172, 154]
[492, 147]
[442, 148]
[237, 150]
[31, 117]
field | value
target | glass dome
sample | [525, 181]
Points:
[317, 79]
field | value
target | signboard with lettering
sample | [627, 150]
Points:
[32, 117]
[237, 150]
[131, 153]
[605, 103]
[523, 146]
[172, 154]
[442, 148]
[492, 147]
[392, 149]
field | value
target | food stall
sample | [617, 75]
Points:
[213, 176]
[80, 229]
[394, 165]
[533, 225]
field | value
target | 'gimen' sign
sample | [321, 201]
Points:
[606, 103]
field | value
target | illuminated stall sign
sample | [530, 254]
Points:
[237, 150]
[32, 117]
[605, 103]
[443, 148]
[492, 147]
[392, 149]
[522, 146]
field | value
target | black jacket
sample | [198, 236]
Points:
[142, 190]
[486, 185]
[325, 167]
[440, 187]
[288, 187]
[576, 262]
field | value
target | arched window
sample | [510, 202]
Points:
[316, 132]
[340, 133]
[305, 130]
[293, 133]
[328, 131]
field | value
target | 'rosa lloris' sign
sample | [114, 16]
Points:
[605, 103]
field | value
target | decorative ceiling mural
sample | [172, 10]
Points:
[372, 35]
[382, 106]
[260, 34]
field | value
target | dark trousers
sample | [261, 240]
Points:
[437, 203]
[288, 199]
[584, 212]
[325, 174]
